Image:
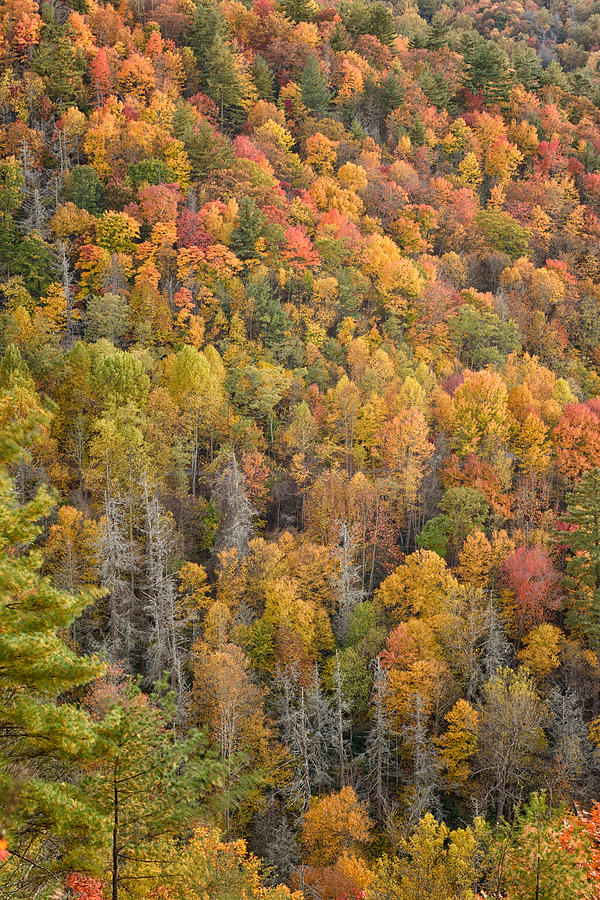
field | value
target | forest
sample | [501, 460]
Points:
[300, 450]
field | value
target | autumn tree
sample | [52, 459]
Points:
[433, 862]
[335, 824]
[511, 737]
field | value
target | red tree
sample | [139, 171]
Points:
[531, 576]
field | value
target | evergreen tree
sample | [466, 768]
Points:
[313, 84]
[269, 315]
[486, 70]
[528, 69]
[208, 25]
[56, 62]
[51, 824]
[151, 786]
[245, 235]
[583, 566]
[83, 188]
[298, 10]
[223, 82]
[263, 78]
[437, 35]
[435, 87]
[381, 23]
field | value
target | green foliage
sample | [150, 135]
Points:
[35, 261]
[223, 82]
[436, 534]
[149, 171]
[527, 857]
[248, 231]
[107, 317]
[298, 10]
[376, 18]
[151, 785]
[269, 314]
[49, 816]
[504, 233]
[263, 78]
[208, 151]
[486, 70]
[482, 338]
[467, 510]
[83, 188]
[56, 61]
[436, 88]
[583, 566]
[313, 84]
[528, 69]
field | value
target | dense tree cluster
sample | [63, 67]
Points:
[299, 450]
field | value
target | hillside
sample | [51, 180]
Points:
[299, 450]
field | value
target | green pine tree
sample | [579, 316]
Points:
[381, 23]
[437, 35]
[56, 61]
[83, 188]
[486, 70]
[583, 566]
[151, 786]
[51, 826]
[223, 83]
[315, 90]
[263, 78]
[245, 235]
[269, 314]
[298, 10]
[528, 68]
[208, 24]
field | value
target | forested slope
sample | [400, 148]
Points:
[300, 449]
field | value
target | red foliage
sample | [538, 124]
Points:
[400, 649]
[299, 250]
[158, 202]
[577, 439]
[476, 473]
[531, 576]
[246, 149]
[84, 887]
[190, 232]
[262, 8]
[551, 159]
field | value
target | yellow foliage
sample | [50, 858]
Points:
[541, 649]
[459, 742]
[334, 824]
[352, 177]
[420, 586]
[470, 172]
[273, 132]
[321, 153]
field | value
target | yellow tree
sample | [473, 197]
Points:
[72, 550]
[405, 450]
[335, 824]
[458, 743]
[434, 863]
[481, 416]
[420, 586]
